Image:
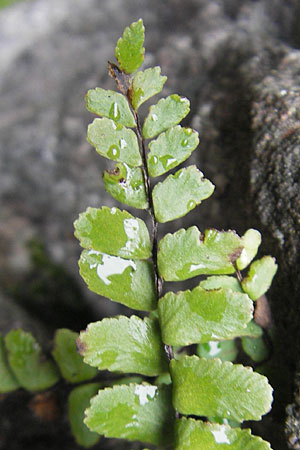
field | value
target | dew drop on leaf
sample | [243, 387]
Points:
[168, 161]
[184, 142]
[178, 174]
[191, 205]
[123, 143]
[113, 152]
[114, 112]
[188, 131]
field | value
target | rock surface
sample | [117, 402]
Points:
[236, 60]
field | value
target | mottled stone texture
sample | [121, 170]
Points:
[238, 62]
[275, 175]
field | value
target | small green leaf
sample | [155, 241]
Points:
[252, 330]
[113, 141]
[194, 434]
[199, 315]
[122, 280]
[126, 184]
[259, 277]
[110, 104]
[124, 344]
[79, 400]
[180, 193]
[145, 85]
[250, 241]
[26, 361]
[165, 114]
[141, 412]
[164, 378]
[114, 232]
[126, 380]
[256, 348]
[222, 281]
[224, 350]
[187, 253]
[8, 381]
[170, 149]
[219, 389]
[68, 360]
[129, 50]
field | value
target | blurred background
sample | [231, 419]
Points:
[238, 62]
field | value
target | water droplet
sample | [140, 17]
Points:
[168, 161]
[184, 142]
[154, 117]
[179, 174]
[188, 131]
[123, 143]
[114, 112]
[154, 160]
[191, 205]
[113, 152]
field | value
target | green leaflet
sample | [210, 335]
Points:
[25, 359]
[164, 378]
[199, 315]
[110, 104]
[129, 50]
[260, 277]
[252, 330]
[250, 241]
[221, 281]
[114, 232]
[113, 141]
[127, 380]
[8, 381]
[194, 434]
[165, 114]
[122, 280]
[215, 389]
[256, 348]
[79, 400]
[180, 193]
[68, 360]
[187, 253]
[224, 350]
[227, 282]
[170, 149]
[124, 344]
[141, 412]
[126, 184]
[145, 85]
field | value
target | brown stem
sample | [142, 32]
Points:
[158, 280]
[238, 273]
